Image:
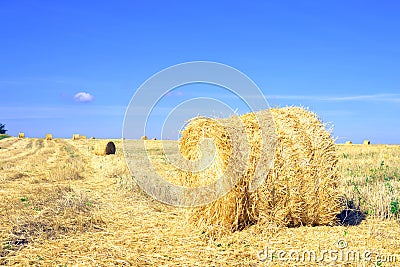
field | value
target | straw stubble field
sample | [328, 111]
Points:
[62, 205]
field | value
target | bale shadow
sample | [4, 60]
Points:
[351, 215]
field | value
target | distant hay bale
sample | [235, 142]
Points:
[92, 138]
[153, 138]
[103, 148]
[75, 137]
[300, 189]
[49, 137]
[83, 137]
[144, 138]
[367, 142]
[349, 143]
[21, 135]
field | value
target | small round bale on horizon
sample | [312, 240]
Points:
[110, 148]
[103, 148]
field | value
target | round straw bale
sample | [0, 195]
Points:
[103, 148]
[349, 143]
[367, 142]
[82, 137]
[21, 135]
[49, 136]
[300, 188]
[144, 138]
[75, 137]
[153, 138]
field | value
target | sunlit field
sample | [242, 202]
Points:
[62, 205]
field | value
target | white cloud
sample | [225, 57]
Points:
[83, 97]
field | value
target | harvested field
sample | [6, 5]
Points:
[62, 205]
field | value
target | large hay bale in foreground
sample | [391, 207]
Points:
[75, 137]
[300, 189]
[103, 148]
[49, 136]
[367, 142]
[21, 135]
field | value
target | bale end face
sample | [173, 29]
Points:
[110, 148]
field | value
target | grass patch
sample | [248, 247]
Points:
[370, 179]
[3, 136]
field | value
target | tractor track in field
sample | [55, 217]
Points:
[18, 149]
[36, 158]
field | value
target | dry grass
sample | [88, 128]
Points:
[101, 218]
[47, 213]
[372, 179]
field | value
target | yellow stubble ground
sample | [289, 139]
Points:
[62, 205]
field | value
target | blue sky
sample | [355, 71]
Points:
[339, 58]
